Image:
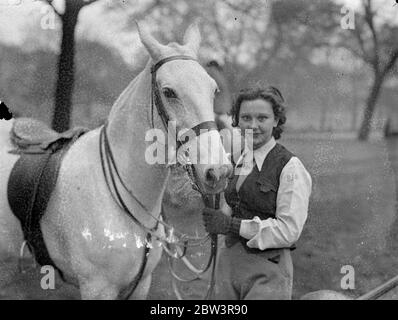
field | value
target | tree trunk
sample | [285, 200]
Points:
[370, 107]
[64, 87]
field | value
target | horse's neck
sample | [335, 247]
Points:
[128, 123]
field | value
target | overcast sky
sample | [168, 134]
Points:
[17, 20]
[19, 17]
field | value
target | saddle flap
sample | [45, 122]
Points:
[32, 181]
[28, 131]
[34, 136]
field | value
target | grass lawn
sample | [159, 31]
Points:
[351, 222]
[351, 218]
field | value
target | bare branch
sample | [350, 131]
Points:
[219, 32]
[87, 2]
[154, 4]
[364, 54]
[82, 3]
[359, 55]
[245, 10]
[133, 15]
[369, 18]
[50, 2]
[391, 62]
[264, 60]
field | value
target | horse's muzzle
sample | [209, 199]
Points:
[216, 174]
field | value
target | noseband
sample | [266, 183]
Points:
[112, 174]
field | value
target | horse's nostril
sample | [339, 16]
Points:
[210, 176]
[215, 174]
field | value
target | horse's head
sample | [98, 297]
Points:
[185, 91]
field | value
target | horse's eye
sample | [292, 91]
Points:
[169, 93]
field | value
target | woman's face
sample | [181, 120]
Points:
[257, 115]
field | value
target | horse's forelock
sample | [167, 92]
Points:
[174, 48]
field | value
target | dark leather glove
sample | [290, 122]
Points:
[216, 222]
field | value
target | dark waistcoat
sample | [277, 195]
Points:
[257, 194]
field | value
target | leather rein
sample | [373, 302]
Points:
[173, 238]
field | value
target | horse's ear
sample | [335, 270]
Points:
[192, 37]
[153, 47]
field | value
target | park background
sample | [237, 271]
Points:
[334, 61]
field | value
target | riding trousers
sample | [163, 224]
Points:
[241, 275]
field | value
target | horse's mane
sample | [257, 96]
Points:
[139, 60]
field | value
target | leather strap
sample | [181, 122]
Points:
[157, 65]
[107, 160]
[206, 125]
[158, 102]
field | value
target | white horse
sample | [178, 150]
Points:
[89, 237]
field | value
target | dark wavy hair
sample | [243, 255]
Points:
[270, 94]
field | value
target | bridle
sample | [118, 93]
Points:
[156, 100]
[173, 238]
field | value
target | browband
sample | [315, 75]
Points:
[158, 64]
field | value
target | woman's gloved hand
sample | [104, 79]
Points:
[216, 222]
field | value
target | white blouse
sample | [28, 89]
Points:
[291, 206]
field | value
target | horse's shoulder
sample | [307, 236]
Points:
[83, 152]
[5, 129]
[80, 165]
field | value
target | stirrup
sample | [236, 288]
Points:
[21, 257]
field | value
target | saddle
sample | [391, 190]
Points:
[32, 136]
[34, 176]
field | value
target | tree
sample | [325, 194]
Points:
[229, 29]
[289, 30]
[66, 67]
[375, 41]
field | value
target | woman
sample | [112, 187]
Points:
[267, 201]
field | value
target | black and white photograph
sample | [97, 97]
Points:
[215, 150]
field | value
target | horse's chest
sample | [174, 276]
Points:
[96, 234]
[88, 234]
